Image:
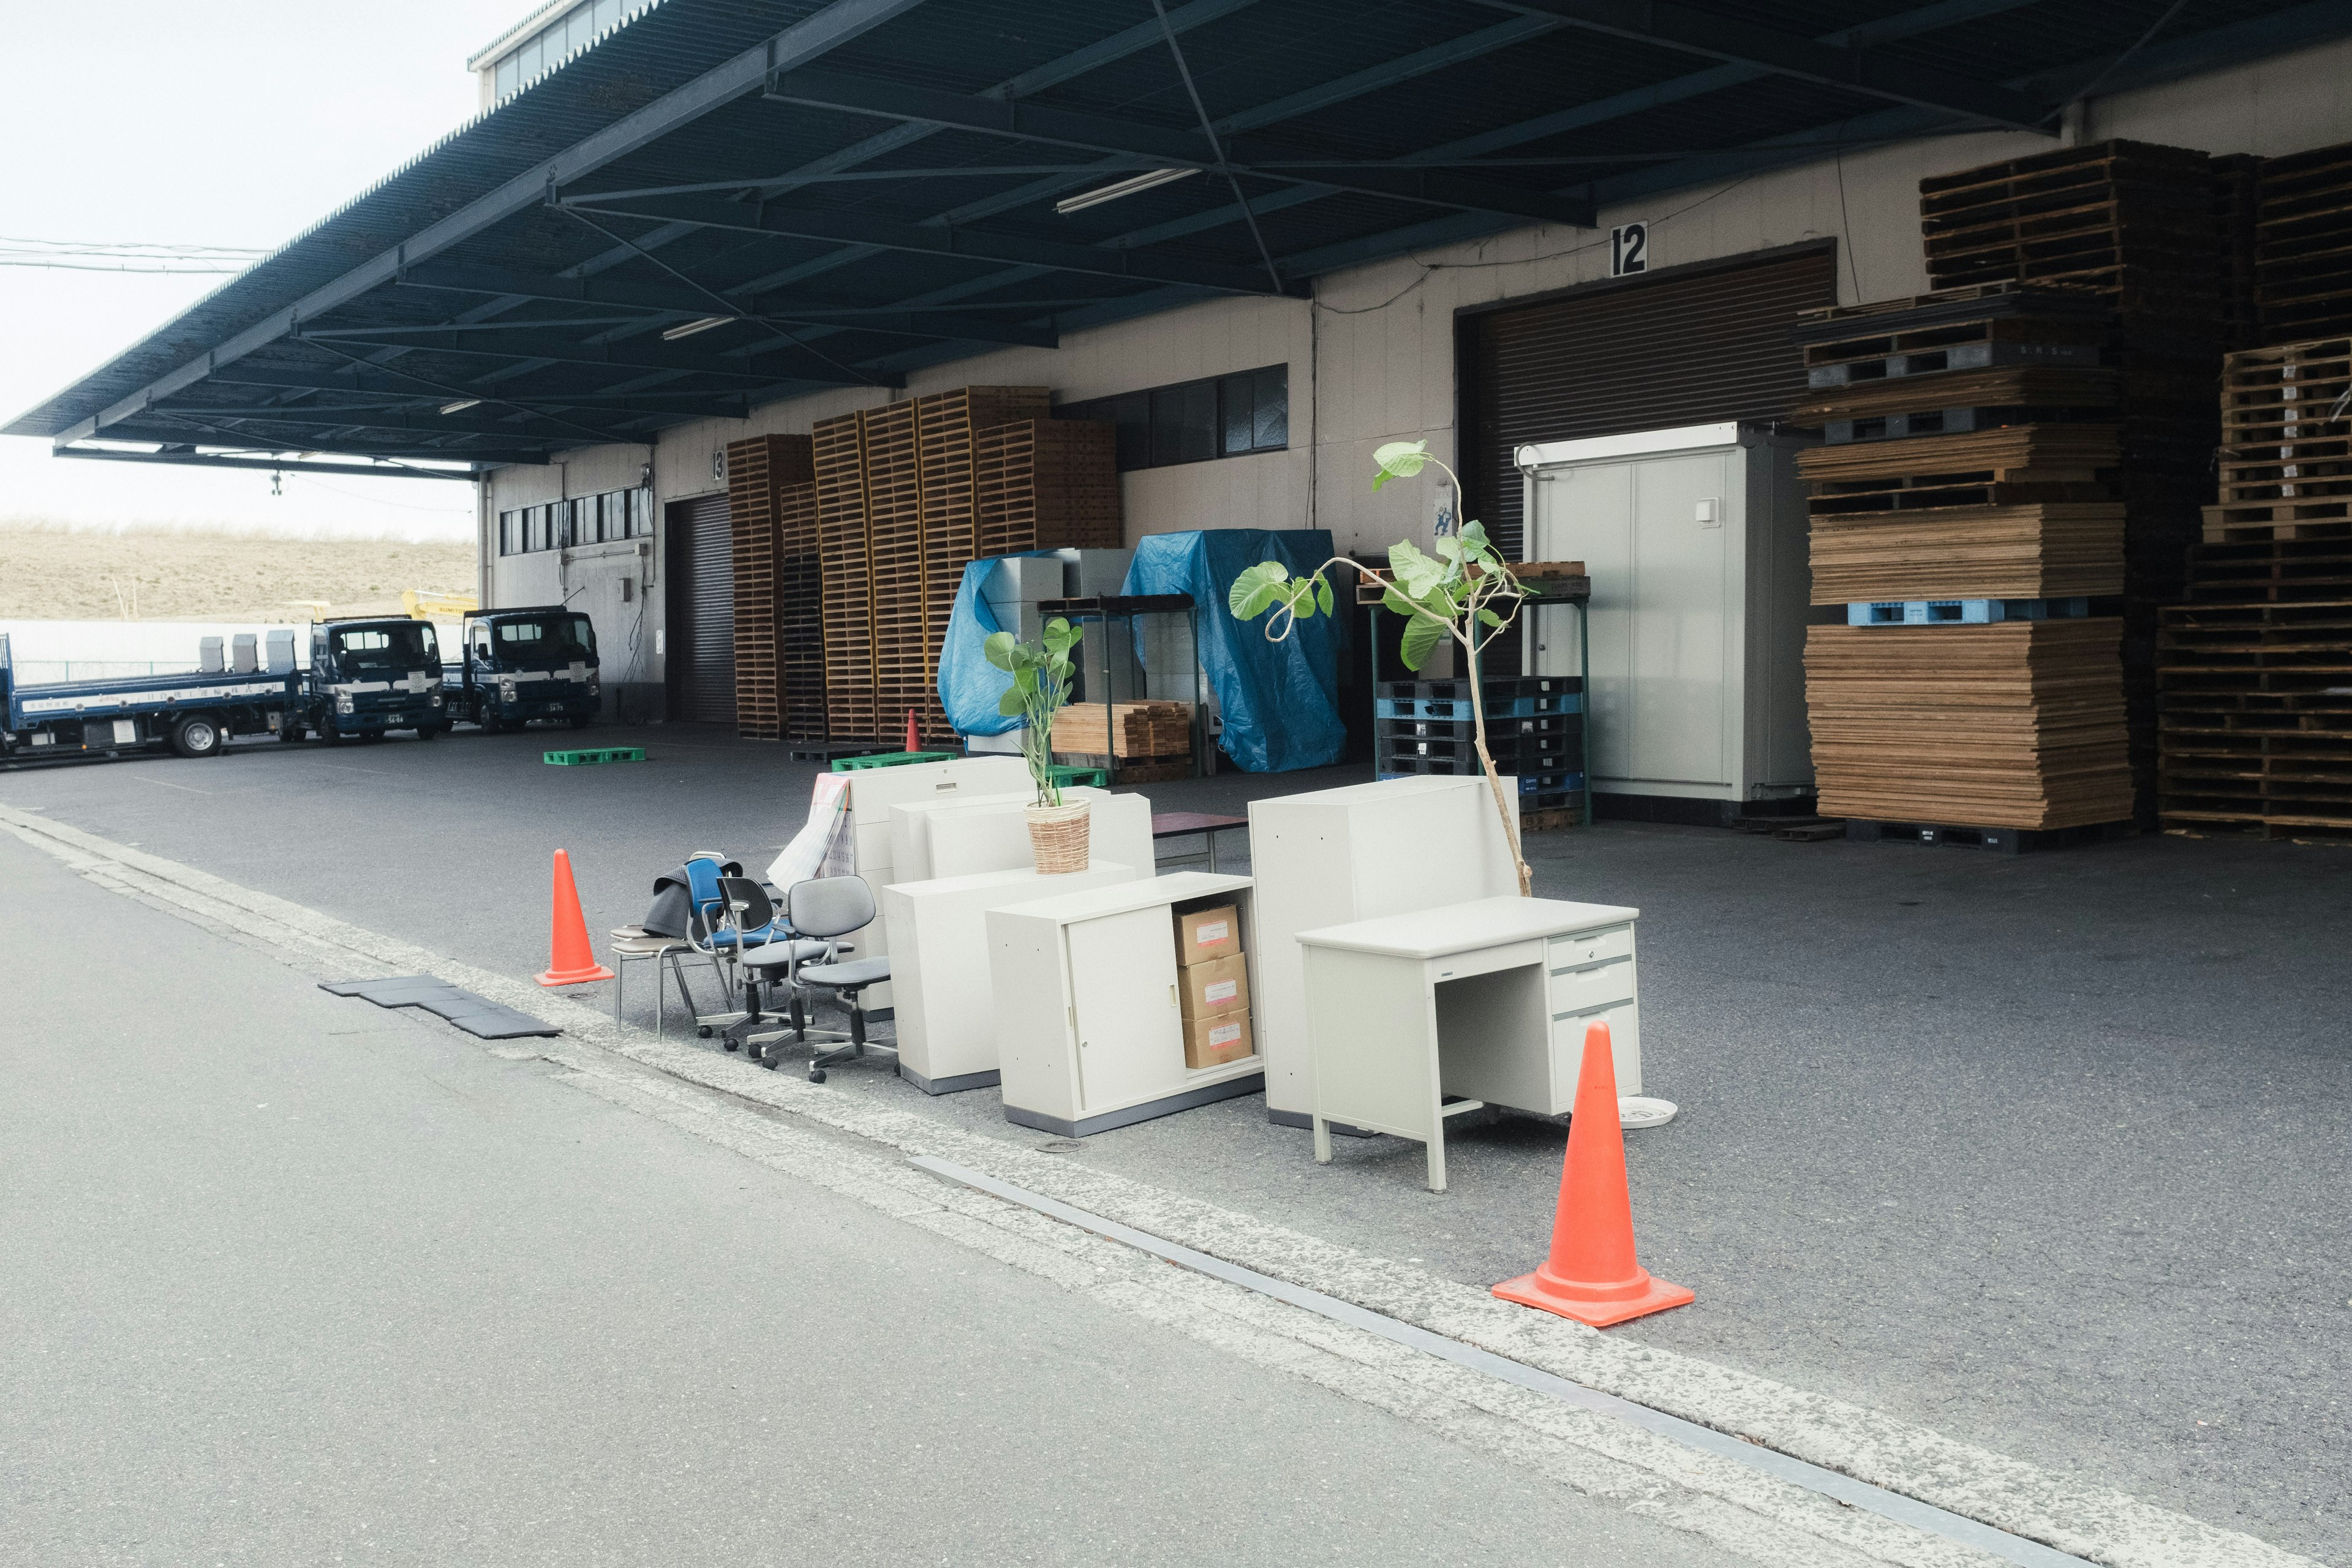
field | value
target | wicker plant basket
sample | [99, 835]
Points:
[1057, 837]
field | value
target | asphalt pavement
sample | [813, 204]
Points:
[291, 1278]
[2043, 1152]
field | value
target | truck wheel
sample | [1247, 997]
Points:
[288, 732]
[582, 720]
[197, 736]
[368, 737]
[489, 721]
[426, 731]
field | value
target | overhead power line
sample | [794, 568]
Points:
[126, 255]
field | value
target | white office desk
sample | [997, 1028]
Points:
[1487, 1001]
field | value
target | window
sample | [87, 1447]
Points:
[1193, 421]
[584, 519]
[569, 636]
[386, 647]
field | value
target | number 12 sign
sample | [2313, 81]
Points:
[1628, 250]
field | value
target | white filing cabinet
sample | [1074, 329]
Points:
[1339, 855]
[1088, 1027]
[873, 790]
[939, 968]
[1483, 1003]
[951, 837]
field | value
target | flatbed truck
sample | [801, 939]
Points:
[194, 713]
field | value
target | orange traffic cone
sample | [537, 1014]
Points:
[571, 960]
[914, 741]
[1590, 1275]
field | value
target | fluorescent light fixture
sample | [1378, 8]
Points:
[1119, 188]
[688, 328]
[461, 405]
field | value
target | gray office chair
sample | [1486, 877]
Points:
[758, 945]
[826, 909]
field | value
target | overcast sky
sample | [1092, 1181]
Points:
[231, 123]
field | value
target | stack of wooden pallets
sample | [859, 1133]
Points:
[847, 565]
[903, 497]
[768, 480]
[2286, 444]
[2255, 668]
[2303, 246]
[947, 428]
[894, 503]
[1047, 484]
[1963, 510]
[2237, 211]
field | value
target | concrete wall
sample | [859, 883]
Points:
[1375, 361]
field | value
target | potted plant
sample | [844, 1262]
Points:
[1465, 591]
[1041, 675]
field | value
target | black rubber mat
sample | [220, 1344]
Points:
[476, 1016]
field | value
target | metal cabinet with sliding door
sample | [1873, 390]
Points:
[1694, 540]
[1089, 1028]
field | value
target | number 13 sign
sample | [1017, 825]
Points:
[1628, 250]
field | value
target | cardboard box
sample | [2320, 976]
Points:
[1220, 985]
[1219, 1038]
[1204, 934]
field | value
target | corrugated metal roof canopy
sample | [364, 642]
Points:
[835, 193]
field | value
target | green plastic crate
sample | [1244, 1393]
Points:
[1070, 773]
[889, 760]
[601, 754]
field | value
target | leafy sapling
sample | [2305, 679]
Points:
[1041, 675]
[1465, 591]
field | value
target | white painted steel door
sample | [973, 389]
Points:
[1652, 532]
[1123, 981]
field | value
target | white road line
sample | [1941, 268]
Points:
[1783, 1522]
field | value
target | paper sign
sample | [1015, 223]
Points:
[1211, 932]
[1223, 1035]
[1222, 991]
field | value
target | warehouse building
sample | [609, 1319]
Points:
[1259, 237]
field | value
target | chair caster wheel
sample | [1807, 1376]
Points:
[732, 1044]
[768, 1062]
[816, 1075]
[703, 1029]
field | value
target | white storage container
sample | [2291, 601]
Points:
[940, 967]
[1696, 542]
[873, 790]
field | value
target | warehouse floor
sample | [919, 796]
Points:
[2044, 1152]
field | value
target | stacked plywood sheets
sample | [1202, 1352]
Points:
[2019, 724]
[1047, 484]
[2303, 245]
[2049, 550]
[846, 565]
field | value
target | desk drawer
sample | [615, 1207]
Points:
[1591, 946]
[1592, 986]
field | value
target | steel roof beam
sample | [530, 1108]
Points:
[1170, 148]
[425, 420]
[395, 383]
[670, 298]
[1735, 42]
[969, 245]
[323, 440]
[807, 39]
[553, 348]
[268, 466]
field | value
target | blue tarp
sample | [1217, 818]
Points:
[1279, 700]
[971, 687]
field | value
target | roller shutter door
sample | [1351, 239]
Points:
[702, 640]
[1689, 346]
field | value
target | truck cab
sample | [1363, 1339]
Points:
[526, 664]
[371, 675]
